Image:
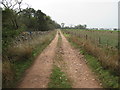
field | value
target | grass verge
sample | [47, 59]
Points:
[107, 77]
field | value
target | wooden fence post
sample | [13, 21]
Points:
[99, 40]
[107, 43]
[86, 37]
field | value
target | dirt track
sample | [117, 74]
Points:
[38, 75]
[77, 71]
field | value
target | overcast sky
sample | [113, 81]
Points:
[94, 13]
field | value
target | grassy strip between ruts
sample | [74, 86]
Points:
[58, 78]
[107, 78]
[19, 67]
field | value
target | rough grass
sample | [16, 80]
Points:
[21, 57]
[7, 73]
[108, 78]
[20, 53]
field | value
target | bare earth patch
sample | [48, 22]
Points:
[78, 71]
[38, 75]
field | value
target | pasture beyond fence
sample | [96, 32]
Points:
[100, 38]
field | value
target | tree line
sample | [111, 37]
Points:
[74, 27]
[16, 20]
[28, 19]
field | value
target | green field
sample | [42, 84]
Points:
[101, 37]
